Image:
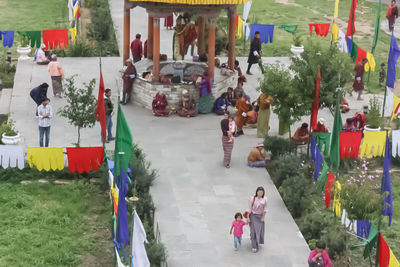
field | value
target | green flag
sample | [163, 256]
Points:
[377, 27]
[289, 28]
[324, 173]
[354, 51]
[334, 154]
[370, 243]
[123, 144]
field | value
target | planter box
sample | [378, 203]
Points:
[11, 140]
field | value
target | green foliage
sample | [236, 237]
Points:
[8, 128]
[373, 117]
[80, 49]
[332, 63]
[284, 167]
[81, 105]
[295, 193]
[336, 241]
[7, 70]
[314, 224]
[297, 39]
[278, 146]
[144, 175]
[155, 253]
[221, 35]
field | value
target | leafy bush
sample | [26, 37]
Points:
[7, 71]
[8, 128]
[143, 174]
[278, 146]
[373, 117]
[284, 167]
[80, 49]
[314, 224]
[295, 193]
[335, 241]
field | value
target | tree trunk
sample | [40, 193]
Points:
[79, 137]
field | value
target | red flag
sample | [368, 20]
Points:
[328, 188]
[101, 110]
[361, 54]
[315, 105]
[351, 28]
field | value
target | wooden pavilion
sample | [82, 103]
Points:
[204, 9]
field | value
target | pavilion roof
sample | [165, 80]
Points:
[196, 2]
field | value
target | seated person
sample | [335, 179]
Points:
[301, 136]
[239, 89]
[256, 158]
[349, 125]
[221, 104]
[40, 56]
[344, 106]
[187, 106]
[252, 114]
[355, 123]
[237, 68]
[321, 128]
[160, 105]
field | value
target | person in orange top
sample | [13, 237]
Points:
[301, 136]
[241, 114]
[392, 14]
[56, 74]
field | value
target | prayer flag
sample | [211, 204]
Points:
[246, 10]
[139, 255]
[396, 106]
[377, 27]
[315, 104]
[123, 144]
[371, 62]
[373, 141]
[289, 28]
[239, 27]
[328, 188]
[349, 43]
[318, 163]
[334, 155]
[336, 199]
[101, 110]
[324, 173]
[361, 54]
[312, 149]
[351, 29]
[371, 241]
[363, 229]
[386, 183]
[354, 51]
[77, 10]
[123, 228]
[335, 32]
[336, 14]
[394, 54]
[385, 255]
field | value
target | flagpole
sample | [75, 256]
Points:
[377, 26]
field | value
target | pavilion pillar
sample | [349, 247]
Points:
[232, 37]
[127, 31]
[150, 37]
[156, 49]
[200, 38]
[211, 46]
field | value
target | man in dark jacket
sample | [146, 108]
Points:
[255, 53]
[109, 111]
[39, 94]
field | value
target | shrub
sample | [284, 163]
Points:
[7, 128]
[143, 174]
[314, 224]
[295, 193]
[335, 241]
[80, 49]
[284, 167]
[278, 146]
[373, 117]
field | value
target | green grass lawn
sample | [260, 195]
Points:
[34, 15]
[54, 225]
[304, 12]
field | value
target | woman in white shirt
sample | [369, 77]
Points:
[257, 210]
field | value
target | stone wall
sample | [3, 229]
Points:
[144, 91]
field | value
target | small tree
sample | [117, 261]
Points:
[81, 105]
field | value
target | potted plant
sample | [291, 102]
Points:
[9, 135]
[297, 47]
[373, 117]
[24, 49]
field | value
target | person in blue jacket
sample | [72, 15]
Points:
[38, 94]
[221, 104]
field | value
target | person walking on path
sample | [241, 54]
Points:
[45, 113]
[57, 75]
[319, 256]
[137, 49]
[257, 210]
[109, 111]
[358, 84]
[227, 144]
[256, 158]
[237, 227]
[255, 53]
[264, 114]
[128, 78]
[38, 94]
[392, 14]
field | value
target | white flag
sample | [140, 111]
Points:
[389, 103]
[139, 256]
[246, 10]
[119, 262]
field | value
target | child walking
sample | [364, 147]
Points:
[237, 227]
[232, 128]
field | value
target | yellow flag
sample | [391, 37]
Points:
[373, 141]
[336, 199]
[370, 63]
[73, 33]
[336, 9]
[240, 27]
[335, 32]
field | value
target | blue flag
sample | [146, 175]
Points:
[123, 229]
[394, 54]
[386, 183]
[318, 163]
[312, 149]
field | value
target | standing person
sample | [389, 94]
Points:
[237, 227]
[57, 75]
[237, 68]
[128, 78]
[137, 49]
[392, 14]
[226, 144]
[255, 53]
[256, 158]
[319, 256]
[382, 75]
[241, 114]
[40, 56]
[257, 210]
[45, 113]
[264, 114]
[109, 111]
[358, 85]
[38, 94]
